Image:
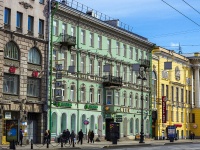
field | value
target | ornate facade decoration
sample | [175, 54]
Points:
[177, 73]
[165, 74]
[26, 5]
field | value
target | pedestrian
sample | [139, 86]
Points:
[80, 137]
[64, 136]
[49, 136]
[68, 136]
[191, 135]
[89, 133]
[20, 136]
[72, 136]
[45, 137]
[92, 137]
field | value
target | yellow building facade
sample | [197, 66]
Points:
[175, 84]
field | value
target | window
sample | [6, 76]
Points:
[30, 23]
[91, 39]
[130, 75]
[41, 1]
[11, 51]
[99, 68]
[182, 96]
[189, 95]
[172, 93]
[10, 84]
[33, 87]
[181, 116]
[72, 63]
[41, 27]
[125, 73]
[118, 48]
[34, 56]
[124, 50]
[131, 100]
[99, 96]
[167, 91]
[99, 42]
[91, 69]
[116, 98]
[109, 45]
[177, 94]
[73, 31]
[172, 115]
[108, 97]
[55, 27]
[83, 36]
[7, 16]
[186, 96]
[64, 29]
[131, 53]
[83, 64]
[193, 118]
[82, 98]
[118, 71]
[177, 117]
[125, 101]
[162, 90]
[131, 125]
[72, 93]
[137, 126]
[136, 54]
[142, 54]
[147, 102]
[91, 95]
[19, 20]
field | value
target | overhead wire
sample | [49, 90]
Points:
[191, 6]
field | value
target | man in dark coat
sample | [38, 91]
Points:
[20, 136]
[80, 136]
[68, 136]
[72, 137]
[92, 137]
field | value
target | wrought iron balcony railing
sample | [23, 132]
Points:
[144, 63]
[66, 40]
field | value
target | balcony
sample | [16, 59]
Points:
[144, 63]
[109, 81]
[66, 40]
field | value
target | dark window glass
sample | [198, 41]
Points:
[10, 84]
[19, 20]
[30, 23]
[41, 26]
[33, 87]
[11, 51]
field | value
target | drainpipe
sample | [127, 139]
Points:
[51, 62]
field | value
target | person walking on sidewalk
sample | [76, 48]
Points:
[89, 133]
[72, 136]
[92, 137]
[68, 136]
[45, 137]
[49, 136]
[80, 136]
[193, 135]
[20, 136]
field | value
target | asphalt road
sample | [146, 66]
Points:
[163, 147]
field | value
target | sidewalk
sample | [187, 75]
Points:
[102, 144]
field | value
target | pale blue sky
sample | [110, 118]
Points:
[156, 21]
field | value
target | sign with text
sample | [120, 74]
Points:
[163, 109]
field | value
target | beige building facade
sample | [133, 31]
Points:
[23, 57]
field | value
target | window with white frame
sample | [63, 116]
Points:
[55, 27]
[109, 45]
[124, 97]
[83, 36]
[109, 97]
[131, 100]
[10, 84]
[117, 98]
[92, 39]
[130, 75]
[72, 93]
[137, 126]
[142, 54]
[99, 96]
[73, 31]
[136, 100]
[11, 51]
[124, 50]
[117, 48]
[33, 87]
[131, 53]
[72, 63]
[99, 68]
[64, 29]
[83, 64]
[125, 73]
[131, 125]
[91, 95]
[82, 98]
[99, 42]
[136, 54]
[91, 68]
[118, 70]
[34, 56]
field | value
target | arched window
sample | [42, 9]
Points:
[137, 126]
[11, 51]
[72, 93]
[131, 100]
[34, 56]
[125, 101]
[131, 125]
[91, 95]
[82, 99]
[136, 100]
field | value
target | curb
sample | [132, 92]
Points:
[120, 146]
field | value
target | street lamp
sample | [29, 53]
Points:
[141, 69]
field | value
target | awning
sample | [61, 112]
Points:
[178, 125]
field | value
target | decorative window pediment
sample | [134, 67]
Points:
[165, 74]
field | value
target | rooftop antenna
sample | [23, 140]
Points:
[180, 49]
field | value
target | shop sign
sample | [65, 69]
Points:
[7, 115]
[11, 130]
[86, 122]
[195, 126]
[35, 74]
[163, 109]
[107, 115]
[62, 104]
[91, 107]
[118, 118]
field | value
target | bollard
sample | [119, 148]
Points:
[31, 143]
[61, 142]
[47, 143]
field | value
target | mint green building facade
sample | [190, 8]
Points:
[92, 74]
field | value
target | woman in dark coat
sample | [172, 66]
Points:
[92, 137]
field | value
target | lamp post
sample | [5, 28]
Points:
[141, 69]
[142, 77]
